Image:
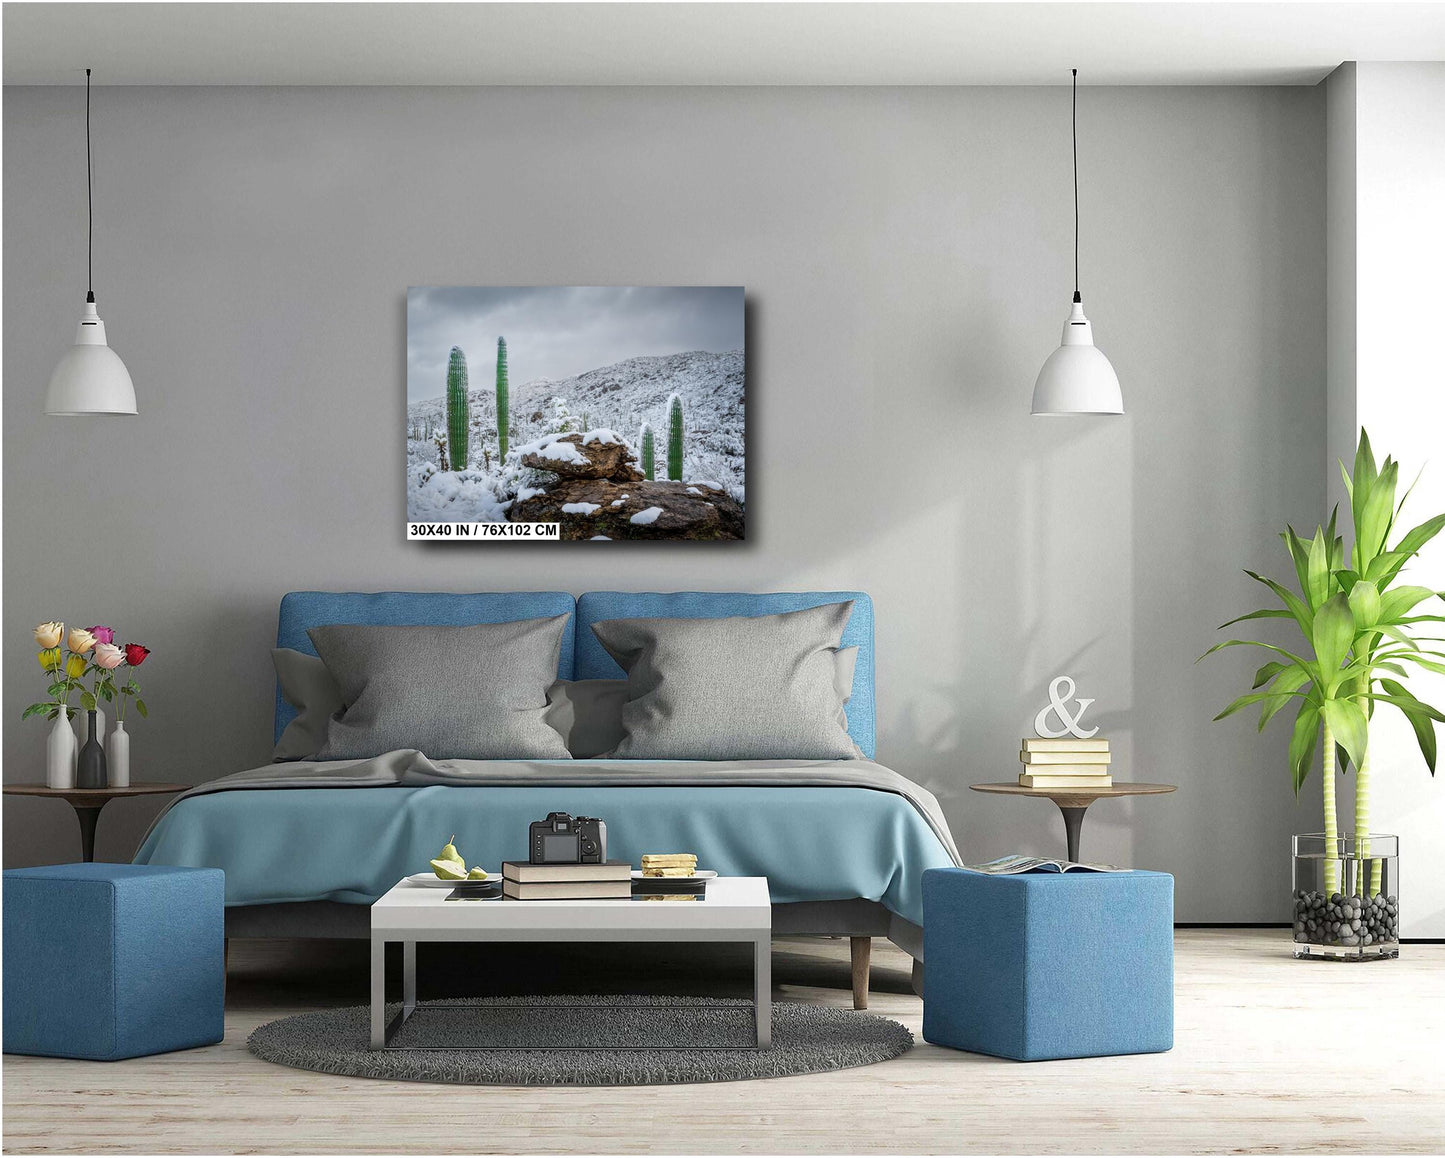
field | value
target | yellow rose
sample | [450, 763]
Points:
[79, 641]
[49, 658]
[48, 634]
[75, 666]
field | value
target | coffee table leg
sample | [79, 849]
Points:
[1073, 822]
[378, 993]
[763, 989]
[408, 977]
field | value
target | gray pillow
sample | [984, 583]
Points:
[587, 714]
[739, 688]
[455, 693]
[309, 688]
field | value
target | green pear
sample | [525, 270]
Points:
[448, 863]
[477, 874]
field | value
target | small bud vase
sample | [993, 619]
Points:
[60, 754]
[117, 756]
[90, 771]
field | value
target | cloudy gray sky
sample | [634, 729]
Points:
[560, 331]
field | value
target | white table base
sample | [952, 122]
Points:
[410, 929]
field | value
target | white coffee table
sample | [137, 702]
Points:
[733, 909]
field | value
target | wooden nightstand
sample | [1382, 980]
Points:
[88, 802]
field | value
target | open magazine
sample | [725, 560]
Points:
[1007, 865]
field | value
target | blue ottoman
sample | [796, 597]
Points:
[109, 961]
[1048, 965]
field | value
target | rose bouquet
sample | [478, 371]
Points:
[86, 651]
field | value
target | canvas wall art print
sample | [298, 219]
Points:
[575, 412]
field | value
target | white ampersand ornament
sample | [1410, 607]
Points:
[1061, 690]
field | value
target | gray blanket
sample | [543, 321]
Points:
[407, 767]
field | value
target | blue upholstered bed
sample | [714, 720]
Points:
[842, 859]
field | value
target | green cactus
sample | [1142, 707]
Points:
[674, 437]
[458, 420]
[502, 398]
[647, 451]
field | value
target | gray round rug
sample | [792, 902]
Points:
[642, 1040]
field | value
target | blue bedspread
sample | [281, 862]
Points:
[304, 844]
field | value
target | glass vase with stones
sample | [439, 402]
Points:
[1346, 897]
[90, 769]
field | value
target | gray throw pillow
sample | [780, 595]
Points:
[455, 693]
[738, 688]
[587, 714]
[845, 660]
[309, 688]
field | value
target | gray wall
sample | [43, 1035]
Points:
[906, 253]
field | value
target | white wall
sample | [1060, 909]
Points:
[1389, 128]
[907, 257]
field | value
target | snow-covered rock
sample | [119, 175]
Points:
[650, 510]
[582, 456]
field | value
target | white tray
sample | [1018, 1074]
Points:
[432, 881]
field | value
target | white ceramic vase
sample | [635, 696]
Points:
[60, 753]
[117, 756]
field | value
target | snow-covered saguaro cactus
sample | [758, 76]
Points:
[503, 399]
[674, 437]
[648, 451]
[458, 420]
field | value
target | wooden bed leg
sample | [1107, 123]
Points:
[862, 949]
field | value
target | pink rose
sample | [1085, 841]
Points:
[103, 634]
[108, 656]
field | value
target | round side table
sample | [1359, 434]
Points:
[1073, 802]
[88, 802]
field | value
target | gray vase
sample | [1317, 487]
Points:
[90, 769]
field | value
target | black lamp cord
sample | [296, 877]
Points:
[89, 204]
[1076, 183]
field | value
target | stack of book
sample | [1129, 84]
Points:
[1065, 763]
[524, 881]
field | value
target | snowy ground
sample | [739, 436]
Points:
[612, 398]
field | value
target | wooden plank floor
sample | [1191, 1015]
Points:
[1270, 1055]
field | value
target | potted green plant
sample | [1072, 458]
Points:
[1363, 630]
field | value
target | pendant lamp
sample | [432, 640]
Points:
[1077, 378]
[91, 378]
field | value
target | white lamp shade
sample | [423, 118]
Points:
[91, 378]
[1077, 378]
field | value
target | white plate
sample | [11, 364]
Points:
[432, 881]
[698, 875]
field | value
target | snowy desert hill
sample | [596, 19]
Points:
[621, 397]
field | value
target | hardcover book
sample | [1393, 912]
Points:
[1065, 757]
[1067, 744]
[1040, 780]
[567, 890]
[525, 872]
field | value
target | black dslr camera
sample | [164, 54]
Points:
[566, 839]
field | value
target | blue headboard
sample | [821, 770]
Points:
[582, 656]
[593, 662]
[303, 609]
